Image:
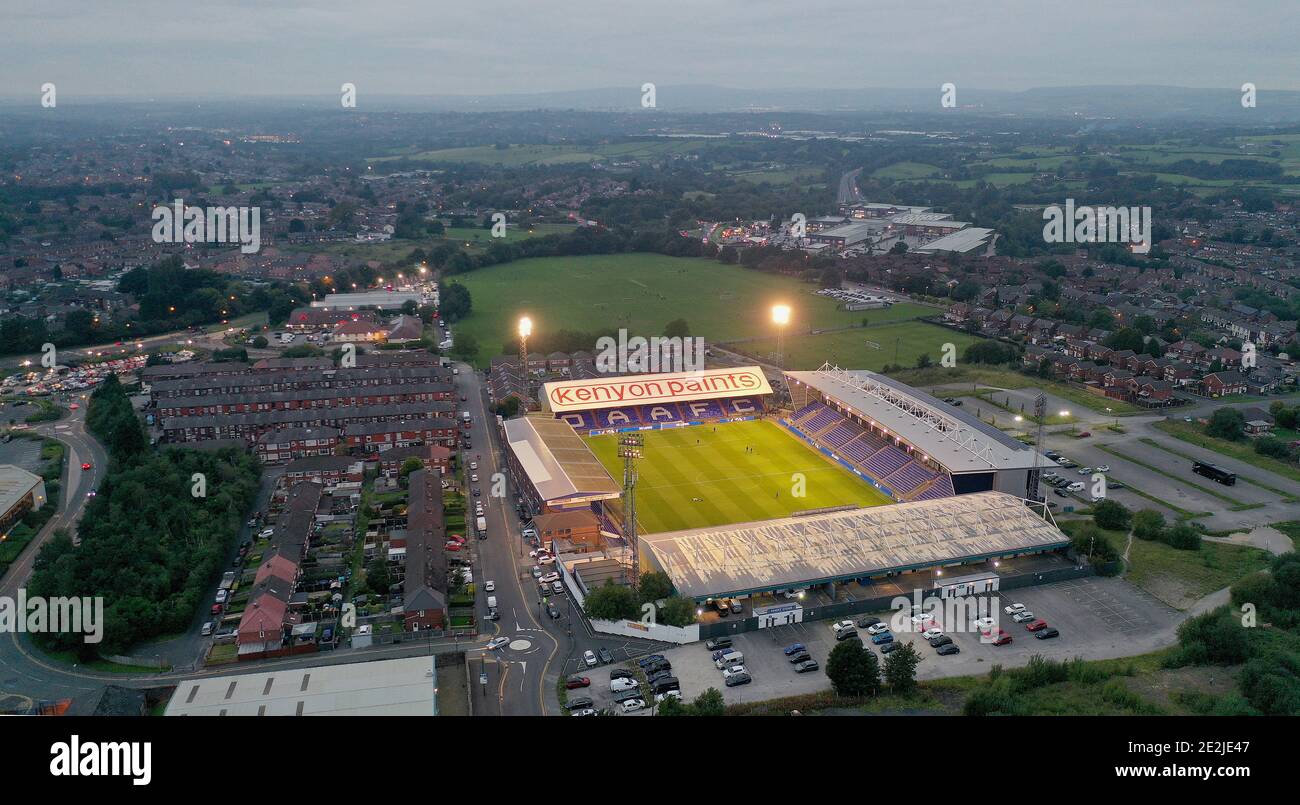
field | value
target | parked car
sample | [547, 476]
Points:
[553, 611]
[800, 657]
[984, 623]
[883, 637]
[645, 662]
[1023, 616]
[717, 643]
[623, 683]
[1035, 625]
[1001, 639]
[490, 586]
[207, 628]
[1103, 468]
[886, 648]
[576, 681]
[932, 633]
[948, 648]
[589, 659]
[737, 679]
[1047, 634]
[621, 673]
[579, 702]
[1012, 609]
[537, 572]
[675, 693]
[793, 648]
[549, 578]
[605, 656]
[867, 621]
[877, 628]
[940, 641]
[632, 705]
[222, 595]
[586, 711]
[805, 666]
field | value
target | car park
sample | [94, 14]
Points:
[948, 648]
[1047, 634]
[576, 681]
[589, 659]
[717, 643]
[805, 666]
[497, 642]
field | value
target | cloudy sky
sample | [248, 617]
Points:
[422, 47]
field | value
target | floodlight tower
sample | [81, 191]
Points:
[780, 317]
[1040, 411]
[629, 449]
[525, 330]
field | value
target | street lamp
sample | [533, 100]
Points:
[780, 317]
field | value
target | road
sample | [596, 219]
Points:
[848, 192]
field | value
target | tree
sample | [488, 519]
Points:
[454, 302]
[1227, 423]
[377, 577]
[900, 669]
[465, 346]
[677, 611]
[1112, 516]
[259, 342]
[1148, 524]
[1184, 537]
[410, 465]
[611, 602]
[709, 703]
[898, 248]
[830, 277]
[853, 670]
[655, 586]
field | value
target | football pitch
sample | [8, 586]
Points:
[705, 475]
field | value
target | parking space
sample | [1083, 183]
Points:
[1097, 618]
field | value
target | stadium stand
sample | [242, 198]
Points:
[662, 414]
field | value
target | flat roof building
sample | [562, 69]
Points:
[20, 492]
[384, 300]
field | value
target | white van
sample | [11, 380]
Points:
[492, 602]
[729, 659]
[1077, 486]
[623, 683]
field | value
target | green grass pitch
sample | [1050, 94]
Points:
[732, 485]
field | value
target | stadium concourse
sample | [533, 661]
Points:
[864, 480]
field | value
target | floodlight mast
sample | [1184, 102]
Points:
[630, 449]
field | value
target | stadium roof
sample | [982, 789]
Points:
[401, 687]
[954, 438]
[795, 551]
[557, 460]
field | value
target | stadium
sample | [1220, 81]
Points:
[854, 479]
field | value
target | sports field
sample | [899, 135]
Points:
[703, 476]
[643, 292]
[900, 343]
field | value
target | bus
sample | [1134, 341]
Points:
[1214, 473]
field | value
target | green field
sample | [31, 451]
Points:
[514, 156]
[733, 486]
[898, 343]
[643, 292]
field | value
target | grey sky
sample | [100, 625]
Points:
[288, 47]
